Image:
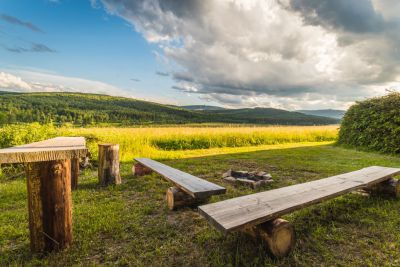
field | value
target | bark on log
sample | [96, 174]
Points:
[50, 205]
[278, 235]
[176, 198]
[140, 170]
[108, 170]
[74, 173]
[389, 188]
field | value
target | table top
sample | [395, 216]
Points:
[58, 148]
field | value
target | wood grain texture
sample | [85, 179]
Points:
[277, 235]
[58, 148]
[254, 209]
[50, 205]
[177, 198]
[388, 188]
[108, 170]
[192, 185]
[74, 173]
[35, 211]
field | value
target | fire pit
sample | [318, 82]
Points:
[250, 178]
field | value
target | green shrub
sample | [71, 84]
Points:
[373, 124]
[19, 134]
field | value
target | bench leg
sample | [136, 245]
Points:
[140, 170]
[176, 198]
[278, 235]
[389, 188]
[50, 205]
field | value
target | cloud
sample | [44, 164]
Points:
[33, 81]
[285, 52]
[353, 16]
[135, 80]
[35, 47]
[94, 4]
[160, 73]
[16, 21]
[12, 82]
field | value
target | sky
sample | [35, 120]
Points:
[290, 54]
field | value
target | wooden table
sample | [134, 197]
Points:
[48, 171]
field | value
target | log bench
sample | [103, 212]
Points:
[48, 166]
[258, 214]
[189, 190]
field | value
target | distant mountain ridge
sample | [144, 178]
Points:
[92, 109]
[329, 113]
[271, 116]
[202, 107]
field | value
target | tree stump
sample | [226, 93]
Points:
[50, 205]
[177, 198]
[278, 235]
[388, 188]
[140, 170]
[108, 171]
[74, 173]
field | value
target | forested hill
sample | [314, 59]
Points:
[92, 109]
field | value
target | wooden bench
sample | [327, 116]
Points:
[189, 190]
[258, 214]
[48, 170]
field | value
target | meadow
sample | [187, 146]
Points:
[181, 142]
[130, 224]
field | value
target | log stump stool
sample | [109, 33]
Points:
[177, 198]
[389, 188]
[277, 235]
[109, 164]
[48, 175]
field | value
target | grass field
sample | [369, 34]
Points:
[130, 224]
[182, 142]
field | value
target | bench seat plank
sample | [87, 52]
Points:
[236, 213]
[58, 148]
[194, 186]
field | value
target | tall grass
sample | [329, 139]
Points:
[171, 142]
[165, 142]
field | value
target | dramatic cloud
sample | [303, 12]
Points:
[46, 82]
[35, 47]
[16, 21]
[354, 16]
[274, 52]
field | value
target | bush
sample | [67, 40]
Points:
[373, 124]
[19, 134]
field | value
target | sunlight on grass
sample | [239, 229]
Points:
[184, 142]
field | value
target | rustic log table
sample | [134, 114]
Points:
[48, 174]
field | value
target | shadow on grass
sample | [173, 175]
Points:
[343, 231]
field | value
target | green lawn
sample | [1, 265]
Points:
[130, 224]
